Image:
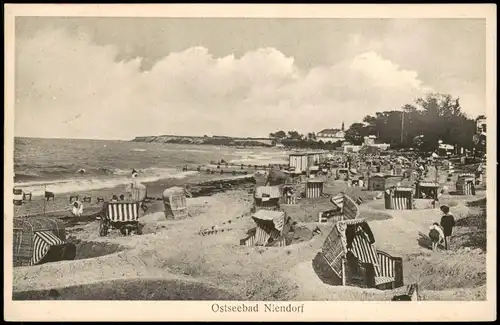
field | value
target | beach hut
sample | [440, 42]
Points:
[350, 252]
[314, 188]
[271, 227]
[426, 190]
[465, 184]
[345, 208]
[299, 161]
[38, 240]
[399, 198]
[175, 202]
[267, 197]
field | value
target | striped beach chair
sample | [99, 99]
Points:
[38, 240]
[400, 198]
[389, 274]
[120, 215]
[271, 226]
[383, 271]
[465, 184]
[43, 241]
[345, 209]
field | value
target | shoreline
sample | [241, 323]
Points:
[60, 206]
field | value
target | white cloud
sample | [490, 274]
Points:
[70, 87]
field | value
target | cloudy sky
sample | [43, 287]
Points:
[117, 78]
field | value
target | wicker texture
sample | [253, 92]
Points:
[24, 235]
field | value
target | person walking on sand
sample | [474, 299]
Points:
[447, 222]
[436, 235]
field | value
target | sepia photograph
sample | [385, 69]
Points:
[251, 163]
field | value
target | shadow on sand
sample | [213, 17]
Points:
[424, 241]
[133, 289]
[323, 270]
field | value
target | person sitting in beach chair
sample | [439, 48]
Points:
[436, 235]
[77, 209]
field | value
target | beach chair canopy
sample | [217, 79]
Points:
[428, 184]
[338, 200]
[122, 211]
[403, 189]
[276, 218]
[35, 237]
[270, 230]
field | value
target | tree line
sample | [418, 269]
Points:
[420, 125]
[294, 139]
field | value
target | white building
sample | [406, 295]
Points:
[332, 135]
[351, 148]
[370, 140]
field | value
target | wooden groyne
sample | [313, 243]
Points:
[232, 169]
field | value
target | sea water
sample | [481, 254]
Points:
[55, 163]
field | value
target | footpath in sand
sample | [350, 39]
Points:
[174, 251]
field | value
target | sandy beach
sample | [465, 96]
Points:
[171, 260]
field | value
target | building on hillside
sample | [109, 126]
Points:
[370, 141]
[332, 135]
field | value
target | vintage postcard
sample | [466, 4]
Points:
[250, 162]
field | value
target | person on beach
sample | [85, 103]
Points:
[122, 197]
[77, 209]
[114, 198]
[447, 222]
[436, 235]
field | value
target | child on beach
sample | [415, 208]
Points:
[447, 222]
[436, 235]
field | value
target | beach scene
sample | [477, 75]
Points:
[154, 164]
